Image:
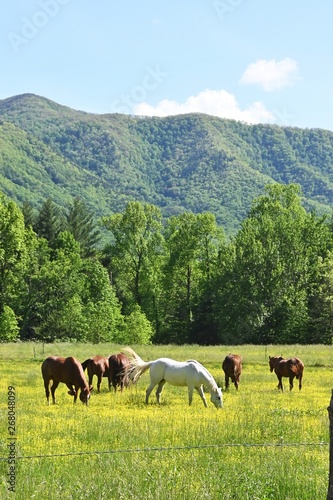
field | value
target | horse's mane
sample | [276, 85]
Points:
[209, 375]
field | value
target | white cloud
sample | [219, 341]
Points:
[212, 102]
[271, 75]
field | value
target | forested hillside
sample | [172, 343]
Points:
[182, 163]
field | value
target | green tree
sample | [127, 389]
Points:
[192, 247]
[13, 252]
[275, 257]
[320, 303]
[28, 214]
[80, 222]
[134, 256]
[9, 329]
[101, 308]
[70, 298]
[137, 328]
[49, 222]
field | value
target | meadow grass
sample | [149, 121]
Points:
[263, 444]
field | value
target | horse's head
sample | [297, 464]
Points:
[272, 362]
[217, 398]
[85, 395]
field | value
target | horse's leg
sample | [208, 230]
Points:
[72, 391]
[148, 391]
[226, 382]
[201, 394]
[236, 382]
[76, 392]
[159, 390]
[54, 385]
[280, 386]
[291, 385]
[90, 375]
[99, 382]
[300, 380]
[47, 389]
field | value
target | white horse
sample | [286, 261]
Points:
[190, 373]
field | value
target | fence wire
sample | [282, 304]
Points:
[170, 449]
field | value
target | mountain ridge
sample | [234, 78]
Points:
[184, 162]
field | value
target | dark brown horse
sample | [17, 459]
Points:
[292, 367]
[99, 366]
[119, 368]
[232, 367]
[68, 371]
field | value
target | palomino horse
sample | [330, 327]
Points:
[190, 373]
[119, 368]
[99, 366]
[291, 368]
[232, 367]
[68, 371]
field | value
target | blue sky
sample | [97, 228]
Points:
[251, 60]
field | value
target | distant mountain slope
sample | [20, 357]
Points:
[187, 162]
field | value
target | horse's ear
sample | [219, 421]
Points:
[91, 388]
[72, 393]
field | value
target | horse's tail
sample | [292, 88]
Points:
[138, 366]
[85, 363]
[300, 375]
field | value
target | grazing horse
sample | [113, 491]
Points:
[99, 366]
[187, 373]
[119, 368]
[68, 371]
[232, 367]
[291, 368]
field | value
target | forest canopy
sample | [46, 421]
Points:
[175, 280]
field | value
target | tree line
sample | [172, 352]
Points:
[179, 280]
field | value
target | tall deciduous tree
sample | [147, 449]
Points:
[134, 256]
[192, 243]
[276, 252]
[71, 297]
[13, 251]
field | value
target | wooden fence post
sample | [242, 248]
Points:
[330, 480]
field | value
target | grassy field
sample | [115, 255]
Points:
[263, 444]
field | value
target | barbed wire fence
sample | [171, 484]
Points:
[203, 447]
[170, 449]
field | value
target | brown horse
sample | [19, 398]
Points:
[292, 367]
[232, 367]
[99, 366]
[119, 368]
[68, 371]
